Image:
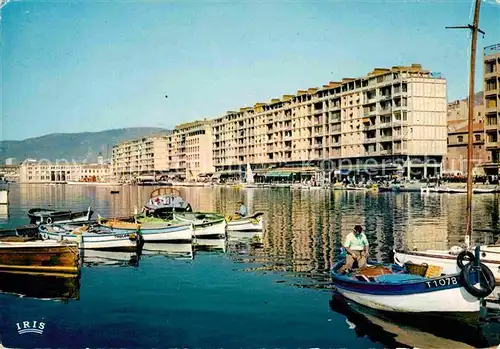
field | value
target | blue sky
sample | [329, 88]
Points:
[72, 66]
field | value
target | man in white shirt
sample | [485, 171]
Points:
[357, 249]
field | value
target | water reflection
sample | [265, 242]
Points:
[169, 250]
[301, 240]
[304, 228]
[210, 245]
[92, 258]
[418, 331]
[46, 287]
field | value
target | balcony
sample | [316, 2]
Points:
[491, 128]
[318, 111]
[318, 146]
[370, 140]
[370, 127]
[386, 138]
[385, 124]
[491, 110]
[400, 108]
[386, 152]
[335, 144]
[489, 75]
[491, 145]
[371, 100]
[491, 92]
[385, 111]
[371, 152]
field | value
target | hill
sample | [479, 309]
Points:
[72, 146]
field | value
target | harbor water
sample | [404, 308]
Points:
[249, 290]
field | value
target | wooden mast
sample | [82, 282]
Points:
[470, 140]
[470, 146]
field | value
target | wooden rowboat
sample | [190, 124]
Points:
[254, 222]
[393, 288]
[92, 238]
[44, 215]
[151, 229]
[38, 256]
[205, 224]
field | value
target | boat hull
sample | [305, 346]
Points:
[449, 261]
[158, 232]
[254, 223]
[39, 215]
[412, 294]
[39, 257]
[98, 241]
[451, 300]
[204, 227]
[172, 233]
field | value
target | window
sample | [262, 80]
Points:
[478, 138]
[460, 139]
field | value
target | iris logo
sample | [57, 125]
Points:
[30, 327]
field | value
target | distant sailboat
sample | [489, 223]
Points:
[249, 176]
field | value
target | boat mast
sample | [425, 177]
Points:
[470, 140]
[470, 146]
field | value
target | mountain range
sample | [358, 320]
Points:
[73, 146]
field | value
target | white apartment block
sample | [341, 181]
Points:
[141, 156]
[185, 153]
[190, 149]
[391, 117]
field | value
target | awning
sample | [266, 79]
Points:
[280, 174]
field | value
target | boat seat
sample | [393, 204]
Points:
[365, 278]
[374, 270]
[433, 271]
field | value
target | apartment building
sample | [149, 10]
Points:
[189, 149]
[33, 171]
[491, 64]
[390, 118]
[143, 156]
[456, 158]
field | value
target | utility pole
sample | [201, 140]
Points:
[474, 28]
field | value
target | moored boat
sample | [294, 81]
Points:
[38, 256]
[44, 215]
[448, 260]
[163, 201]
[92, 238]
[205, 224]
[254, 222]
[390, 287]
[151, 229]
